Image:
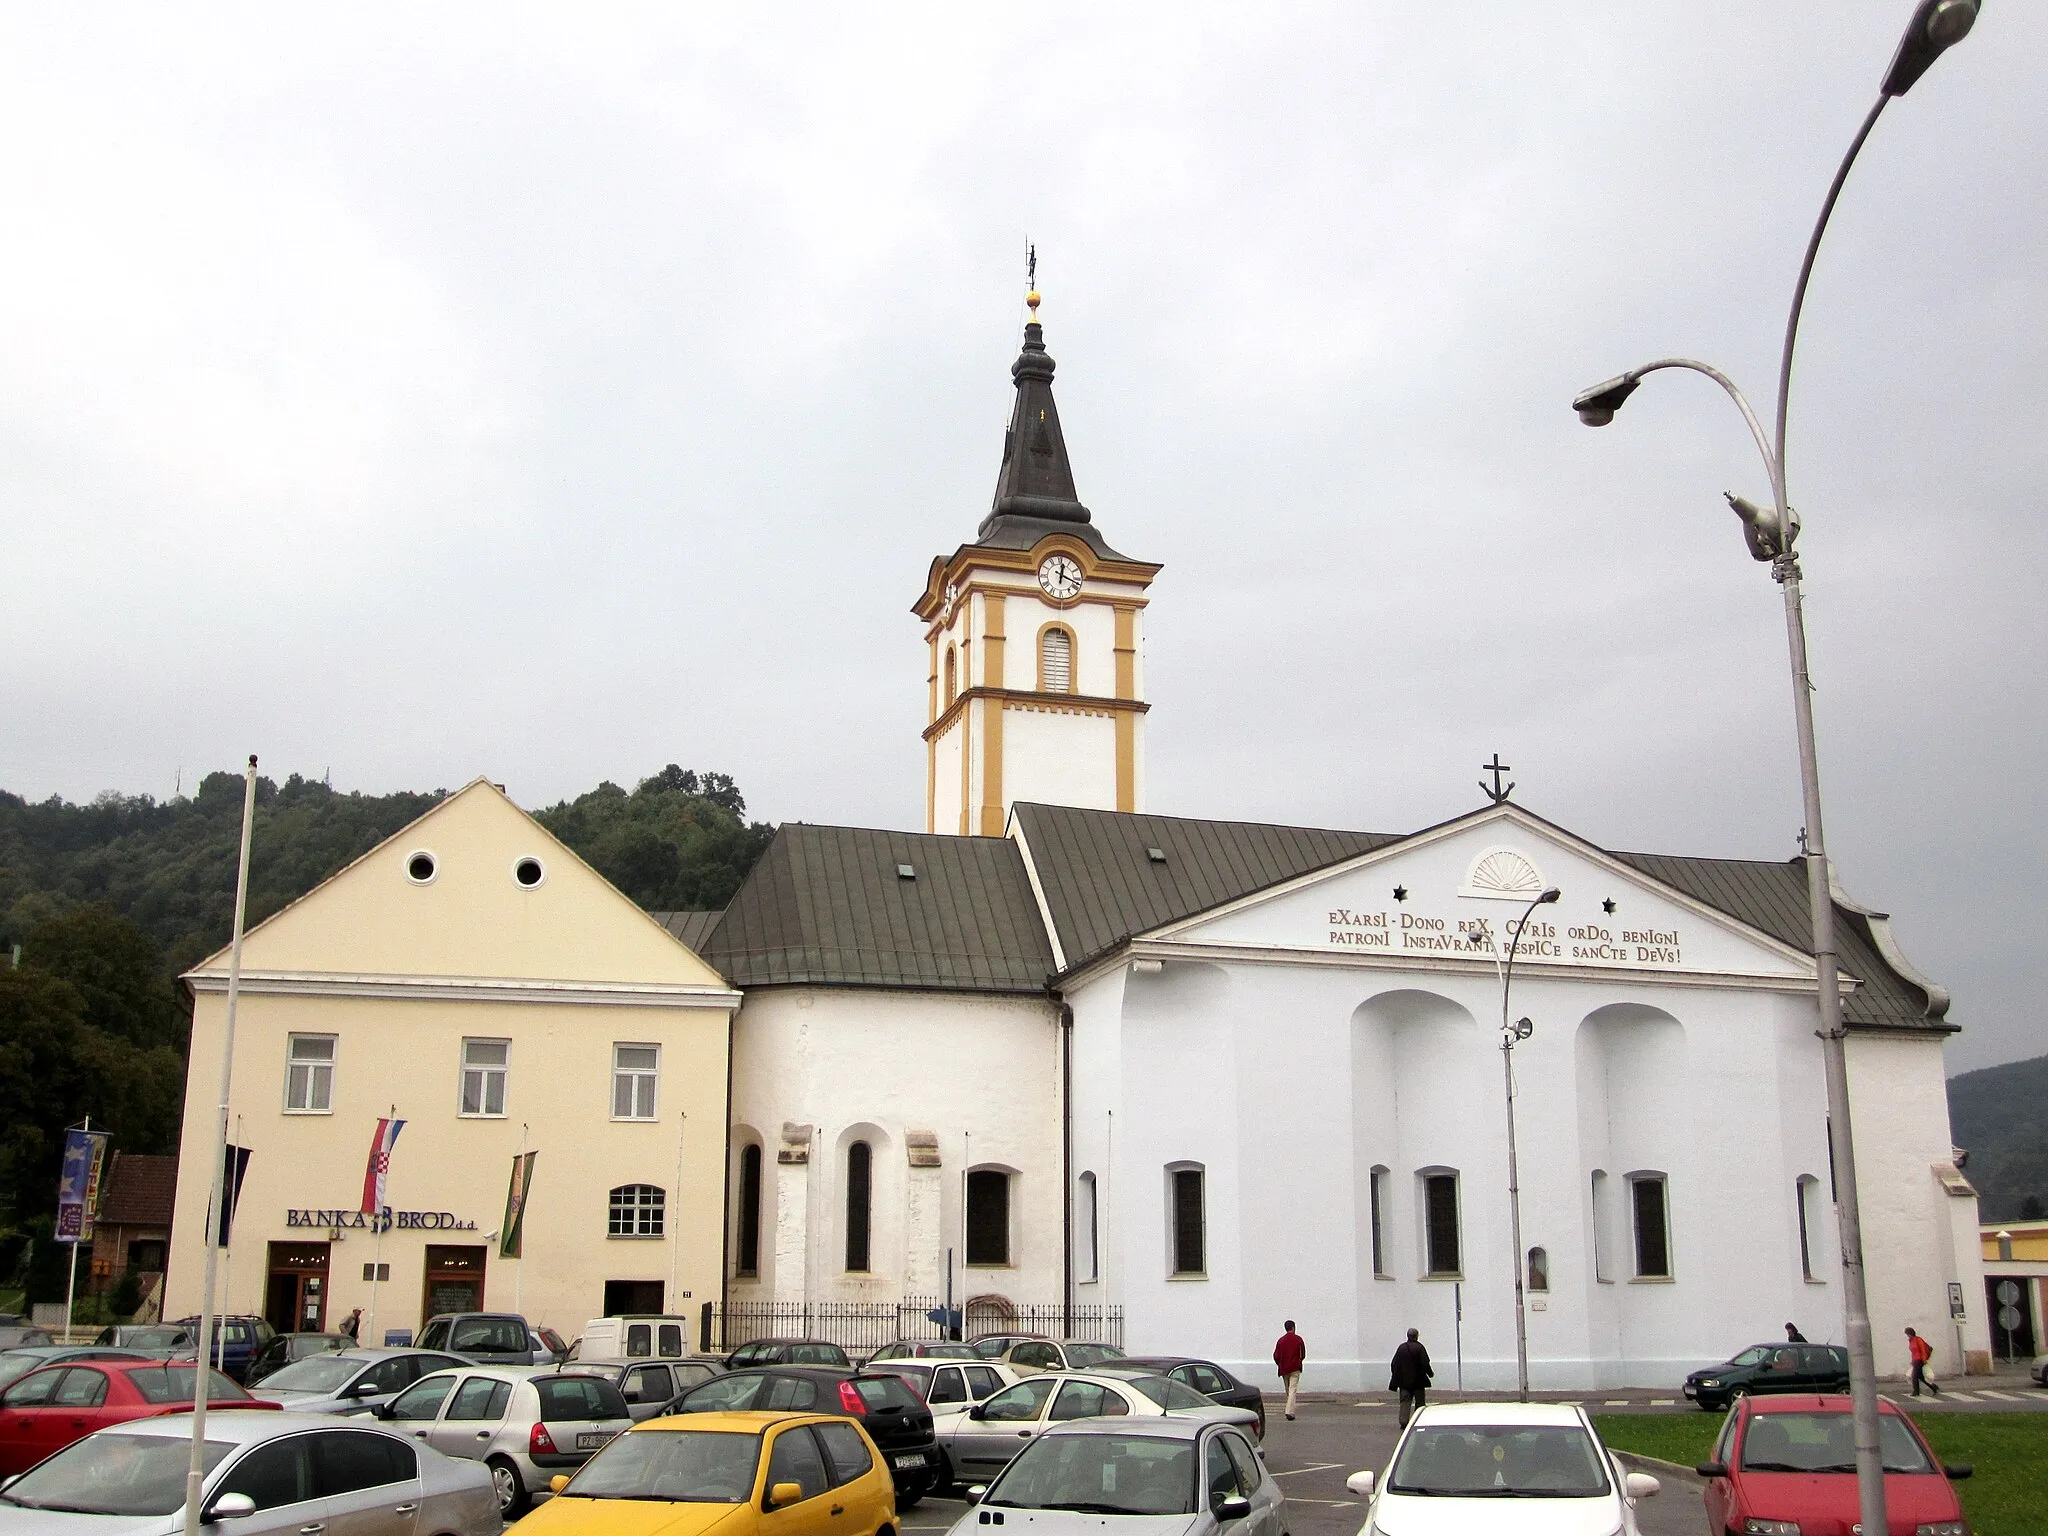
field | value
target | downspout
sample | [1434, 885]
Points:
[725, 1226]
[1066, 1026]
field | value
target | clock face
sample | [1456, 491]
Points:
[1060, 577]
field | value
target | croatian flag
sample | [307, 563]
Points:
[380, 1165]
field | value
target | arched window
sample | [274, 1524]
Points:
[860, 1162]
[638, 1210]
[1187, 1209]
[1649, 1203]
[988, 1216]
[750, 1210]
[1539, 1270]
[1055, 660]
[952, 676]
[1091, 1261]
[1440, 1231]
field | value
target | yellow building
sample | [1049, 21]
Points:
[2016, 1282]
[476, 979]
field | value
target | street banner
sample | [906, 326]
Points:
[375, 1176]
[514, 1227]
[231, 1175]
[78, 1185]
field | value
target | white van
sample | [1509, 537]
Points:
[636, 1336]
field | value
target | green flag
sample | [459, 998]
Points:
[512, 1234]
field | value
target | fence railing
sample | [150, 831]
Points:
[860, 1327]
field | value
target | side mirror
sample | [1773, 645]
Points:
[1360, 1483]
[230, 1506]
[1958, 1472]
[558, 1482]
[1640, 1485]
[977, 1493]
[382, 1410]
[1712, 1469]
[978, 1413]
[360, 1389]
[784, 1493]
[1236, 1507]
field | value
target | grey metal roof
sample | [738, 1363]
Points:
[693, 928]
[1102, 885]
[827, 905]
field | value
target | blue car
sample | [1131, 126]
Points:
[236, 1342]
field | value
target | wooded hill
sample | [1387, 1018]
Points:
[2001, 1115]
[106, 904]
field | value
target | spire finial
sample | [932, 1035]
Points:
[1031, 279]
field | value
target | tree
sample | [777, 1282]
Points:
[680, 840]
[117, 969]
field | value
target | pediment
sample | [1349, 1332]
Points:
[1455, 893]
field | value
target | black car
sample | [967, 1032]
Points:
[1206, 1377]
[787, 1352]
[236, 1341]
[894, 1416]
[1770, 1368]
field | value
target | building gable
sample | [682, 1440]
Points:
[470, 916]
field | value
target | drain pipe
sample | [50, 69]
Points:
[1066, 1027]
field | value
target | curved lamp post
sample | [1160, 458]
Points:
[1510, 1034]
[1770, 532]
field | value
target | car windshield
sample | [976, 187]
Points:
[490, 1336]
[318, 1373]
[12, 1366]
[1825, 1442]
[1754, 1355]
[113, 1474]
[683, 1466]
[153, 1338]
[1167, 1392]
[1513, 1461]
[1100, 1475]
[951, 1352]
[919, 1376]
[1092, 1354]
[173, 1384]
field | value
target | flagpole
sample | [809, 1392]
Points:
[195, 1472]
[377, 1228]
[675, 1238]
[71, 1285]
[518, 1264]
[227, 1250]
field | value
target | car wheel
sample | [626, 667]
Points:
[910, 1498]
[942, 1481]
[513, 1499]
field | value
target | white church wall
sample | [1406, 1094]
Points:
[1098, 1099]
[854, 1063]
[1900, 1106]
[1058, 758]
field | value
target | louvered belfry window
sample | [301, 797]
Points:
[1056, 662]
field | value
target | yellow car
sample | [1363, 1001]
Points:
[741, 1474]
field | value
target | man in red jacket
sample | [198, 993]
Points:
[1922, 1352]
[1288, 1353]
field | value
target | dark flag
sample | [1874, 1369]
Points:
[231, 1176]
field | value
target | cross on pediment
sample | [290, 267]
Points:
[1496, 793]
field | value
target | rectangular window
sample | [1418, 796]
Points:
[749, 1262]
[483, 1076]
[1600, 1243]
[1440, 1195]
[637, 1210]
[1190, 1244]
[1378, 1191]
[1653, 1234]
[1802, 1195]
[309, 1075]
[1091, 1262]
[635, 1071]
[988, 1216]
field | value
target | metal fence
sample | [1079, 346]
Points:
[864, 1326]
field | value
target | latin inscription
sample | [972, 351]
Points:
[1402, 932]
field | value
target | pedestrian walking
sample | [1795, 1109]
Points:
[353, 1323]
[1410, 1376]
[1922, 1352]
[1288, 1353]
[1793, 1335]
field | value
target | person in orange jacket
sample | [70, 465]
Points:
[1922, 1352]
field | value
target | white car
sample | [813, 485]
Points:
[1501, 1467]
[979, 1443]
[949, 1386]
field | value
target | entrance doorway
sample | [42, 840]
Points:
[295, 1298]
[455, 1281]
[2012, 1317]
[625, 1298]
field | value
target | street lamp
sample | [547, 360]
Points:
[1521, 1029]
[1936, 25]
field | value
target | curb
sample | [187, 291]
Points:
[1668, 1468]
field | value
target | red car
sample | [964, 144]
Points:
[1789, 1464]
[47, 1409]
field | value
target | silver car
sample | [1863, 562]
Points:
[1091, 1476]
[351, 1381]
[648, 1385]
[979, 1443]
[268, 1474]
[528, 1427]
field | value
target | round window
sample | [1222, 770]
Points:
[420, 868]
[529, 872]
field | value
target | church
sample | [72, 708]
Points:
[1212, 1075]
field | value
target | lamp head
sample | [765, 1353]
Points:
[1549, 896]
[1596, 406]
[1523, 1028]
[1936, 27]
[1762, 528]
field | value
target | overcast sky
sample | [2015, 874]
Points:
[407, 393]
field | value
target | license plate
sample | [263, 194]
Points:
[590, 1440]
[910, 1461]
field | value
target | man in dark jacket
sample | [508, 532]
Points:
[1288, 1353]
[1410, 1376]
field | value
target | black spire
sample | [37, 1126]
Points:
[1036, 480]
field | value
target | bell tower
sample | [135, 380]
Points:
[1034, 632]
